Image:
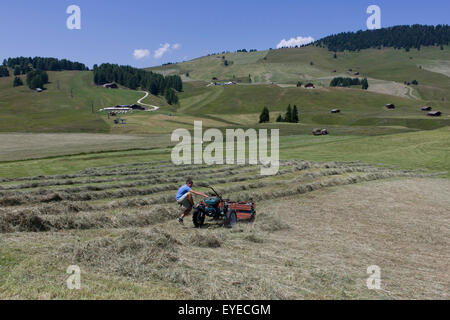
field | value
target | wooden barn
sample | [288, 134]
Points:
[309, 86]
[320, 132]
[335, 111]
[435, 114]
[110, 86]
[390, 106]
[426, 108]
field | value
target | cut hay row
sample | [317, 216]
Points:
[71, 180]
[28, 221]
[99, 184]
[101, 173]
[89, 185]
[49, 196]
[156, 179]
[169, 169]
[90, 216]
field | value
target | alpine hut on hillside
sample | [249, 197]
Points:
[335, 111]
[110, 86]
[426, 108]
[434, 114]
[390, 106]
[309, 86]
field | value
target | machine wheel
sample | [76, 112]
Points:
[230, 219]
[198, 218]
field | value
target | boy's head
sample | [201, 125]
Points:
[189, 183]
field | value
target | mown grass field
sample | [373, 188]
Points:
[117, 223]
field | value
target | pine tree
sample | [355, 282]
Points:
[280, 118]
[288, 117]
[365, 84]
[36, 83]
[17, 82]
[295, 118]
[265, 116]
[171, 96]
[4, 72]
[17, 71]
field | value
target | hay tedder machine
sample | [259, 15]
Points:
[218, 208]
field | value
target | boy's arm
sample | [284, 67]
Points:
[199, 194]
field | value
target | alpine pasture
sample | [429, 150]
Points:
[78, 189]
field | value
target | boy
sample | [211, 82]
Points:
[184, 198]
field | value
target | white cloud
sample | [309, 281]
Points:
[162, 50]
[299, 41]
[141, 54]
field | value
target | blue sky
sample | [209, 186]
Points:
[112, 30]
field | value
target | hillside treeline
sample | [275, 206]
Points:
[134, 78]
[4, 71]
[348, 82]
[25, 64]
[399, 37]
[36, 79]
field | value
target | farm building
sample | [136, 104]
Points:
[137, 107]
[320, 132]
[356, 73]
[426, 108]
[435, 114]
[390, 106]
[117, 109]
[38, 90]
[309, 86]
[110, 86]
[335, 111]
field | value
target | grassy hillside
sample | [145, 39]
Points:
[430, 66]
[55, 110]
[243, 104]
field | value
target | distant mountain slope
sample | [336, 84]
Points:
[399, 37]
[318, 65]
